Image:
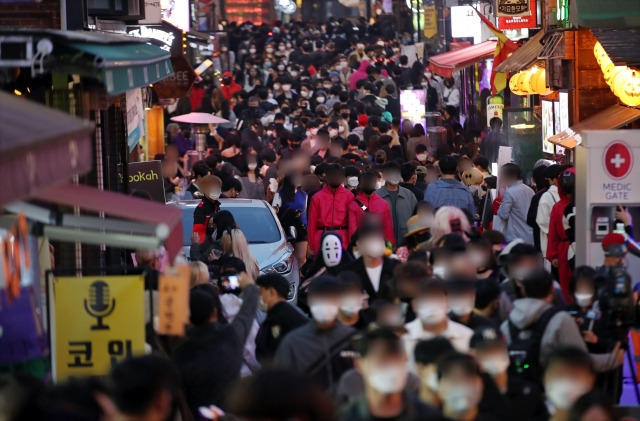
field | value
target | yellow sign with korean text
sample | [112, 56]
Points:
[430, 21]
[96, 323]
[173, 301]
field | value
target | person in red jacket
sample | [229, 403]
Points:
[559, 242]
[367, 201]
[211, 187]
[328, 210]
[229, 86]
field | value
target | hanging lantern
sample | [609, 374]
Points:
[513, 83]
[601, 55]
[524, 82]
[631, 89]
[540, 85]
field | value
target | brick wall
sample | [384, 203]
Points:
[45, 14]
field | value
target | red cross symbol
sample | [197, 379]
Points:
[618, 160]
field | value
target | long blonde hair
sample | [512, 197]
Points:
[234, 243]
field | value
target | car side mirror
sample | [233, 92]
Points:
[293, 234]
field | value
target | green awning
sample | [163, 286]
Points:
[119, 67]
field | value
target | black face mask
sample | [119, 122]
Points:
[421, 238]
[368, 191]
[226, 81]
[334, 185]
[295, 145]
[380, 161]
[345, 116]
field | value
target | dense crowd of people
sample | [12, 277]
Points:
[423, 297]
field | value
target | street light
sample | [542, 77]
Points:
[200, 122]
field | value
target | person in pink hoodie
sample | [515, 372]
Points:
[359, 74]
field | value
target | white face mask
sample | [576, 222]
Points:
[432, 312]
[281, 47]
[390, 379]
[261, 304]
[252, 50]
[331, 251]
[393, 179]
[421, 157]
[323, 312]
[252, 166]
[461, 306]
[341, 129]
[350, 305]
[269, 50]
[294, 73]
[428, 74]
[431, 381]
[214, 195]
[304, 94]
[439, 271]
[378, 184]
[333, 133]
[280, 67]
[495, 365]
[564, 392]
[583, 300]
[326, 86]
[286, 87]
[320, 100]
[461, 398]
[373, 248]
[314, 131]
[352, 181]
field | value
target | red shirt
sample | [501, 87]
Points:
[374, 204]
[328, 211]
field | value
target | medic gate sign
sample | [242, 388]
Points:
[614, 176]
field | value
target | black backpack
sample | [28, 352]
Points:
[524, 349]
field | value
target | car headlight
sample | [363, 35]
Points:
[281, 267]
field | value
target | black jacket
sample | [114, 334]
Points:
[417, 192]
[211, 358]
[385, 290]
[281, 319]
[414, 410]
[523, 400]
[532, 214]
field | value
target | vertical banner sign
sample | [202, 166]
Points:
[510, 8]
[96, 322]
[135, 116]
[173, 302]
[430, 21]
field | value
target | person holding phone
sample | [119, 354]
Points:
[211, 358]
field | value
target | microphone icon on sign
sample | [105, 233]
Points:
[99, 305]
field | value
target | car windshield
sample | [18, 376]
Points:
[257, 224]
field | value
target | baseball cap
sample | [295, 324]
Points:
[485, 337]
[325, 285]
[363, 120]
[614, 244]
[420, 169]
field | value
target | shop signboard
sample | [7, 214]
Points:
[179, 83]
[465, 23]
[176, 12]
[152, 13]
[520, 22]
[165, 36]
[510, 8]
[412, 105]
[548, 126]
[96, 322]
[146, 177]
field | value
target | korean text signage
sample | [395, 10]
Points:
[147, 177]
[510, 8]
[173, 302]
[135, 117]
[616, 175]
[97, 323]
[520, 22]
